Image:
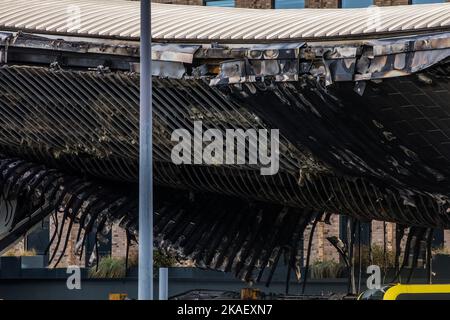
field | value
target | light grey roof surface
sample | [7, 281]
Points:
[120, 19]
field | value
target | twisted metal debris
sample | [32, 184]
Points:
[107, 147]
[364, 127]
[30, 192]
[216, 232]
[240, 237]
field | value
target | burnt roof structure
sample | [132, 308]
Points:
[361, 99]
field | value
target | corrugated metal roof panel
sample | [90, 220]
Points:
[118, 18]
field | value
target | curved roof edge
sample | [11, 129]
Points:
[119, 19]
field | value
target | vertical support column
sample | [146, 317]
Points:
[163, 283]
[145, 276]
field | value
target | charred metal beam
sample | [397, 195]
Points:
[364, 127]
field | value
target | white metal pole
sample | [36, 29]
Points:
[145, 276]
[163, 283]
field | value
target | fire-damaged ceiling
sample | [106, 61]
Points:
[364, 131]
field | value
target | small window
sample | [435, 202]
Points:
[39, 238]
[220, 3]
[289, 4]
[427, 1]
[438, 239]
[356, 3]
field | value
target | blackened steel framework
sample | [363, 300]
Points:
[364, 131]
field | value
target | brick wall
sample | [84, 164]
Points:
[447, 239]
[335, 3]
[321, 3]
[119, 243]
[269, 4]
[188, 2]
[391, 2]
[321, 248]
[317, 245]
[16, 249]
[255, 4]
[378, 234]
[69, 257]
[330, 230]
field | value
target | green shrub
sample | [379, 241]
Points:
[109, 267]
[332, 269]
[326, 269]
[378, 257]
[162, 260]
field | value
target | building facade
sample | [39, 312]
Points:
[377, 234]
[290, 4]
